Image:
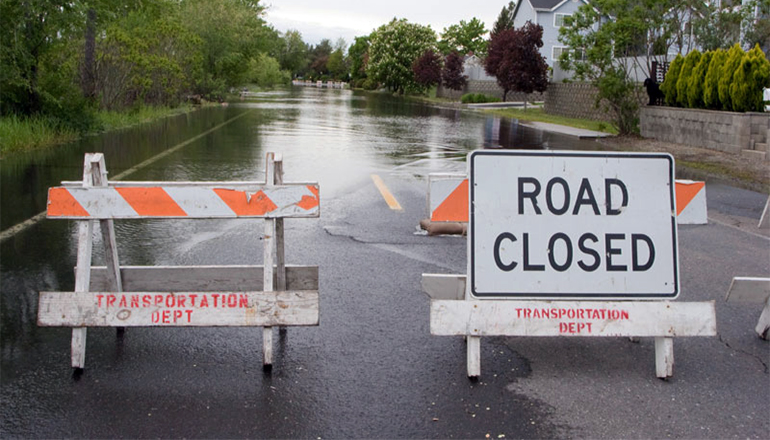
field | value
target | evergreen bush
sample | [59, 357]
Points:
[696, 83]
[749, 79]
[711, 84]
[683, 81]
[668, 87]
[734, 58]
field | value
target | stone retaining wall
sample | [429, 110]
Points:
[574, 100]
[716, 130]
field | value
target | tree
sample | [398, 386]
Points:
[752, 76]
[514, 59]
[734, 58]
[682, 83]
[358, 57]
[427, 69]
[505, 18]
[394, 48]
[711, 85]
[668, 87]
[452, 75]
[464, 38]
[319, 57]
[292, 53]
[695, 86]
[605, 52]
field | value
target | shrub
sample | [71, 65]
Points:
[370, 84]
[734, 58]
[711, 84]
[749, 79]
[669, 83]
[696, 83]
[478, 98]
[683, 81]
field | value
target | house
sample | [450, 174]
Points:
[550, 15]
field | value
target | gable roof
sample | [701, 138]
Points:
[542, 5]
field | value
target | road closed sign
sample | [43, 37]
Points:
[572, 225]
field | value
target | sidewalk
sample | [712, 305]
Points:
[563, 129]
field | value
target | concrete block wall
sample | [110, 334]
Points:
[574, 100]
[716, 130]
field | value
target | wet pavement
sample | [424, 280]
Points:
[370, 369]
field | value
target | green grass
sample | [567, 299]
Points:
[538, 115]
[18, 134]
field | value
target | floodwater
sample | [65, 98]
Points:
[337, 138]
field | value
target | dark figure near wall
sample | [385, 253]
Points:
[653, 91]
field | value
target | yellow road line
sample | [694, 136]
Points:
[389, 199]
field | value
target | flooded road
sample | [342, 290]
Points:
[371, 369]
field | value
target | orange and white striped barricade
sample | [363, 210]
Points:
[753, 290]
[589, 253]
[448, 203]
[273, 294]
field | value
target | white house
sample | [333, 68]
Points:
[550, 15]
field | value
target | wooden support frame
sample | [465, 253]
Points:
[753, 290]
[452, 315]
[273, 294]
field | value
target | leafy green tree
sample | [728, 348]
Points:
[668, 87]
[292, 52]
[595, 44]
[464, 38]
[319, 58]
[683, 81]
[265, 71]
[394, 48]
[734, 58]
[711, 84]
[358, 55]
[505, 18]
[696, 84]
[751, 77]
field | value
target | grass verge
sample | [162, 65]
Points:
[537, 114]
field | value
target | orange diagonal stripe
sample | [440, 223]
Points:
[455, 207]
[685, 192]
[62, 204]
[259, 204]
[151, 201]
[307, 203]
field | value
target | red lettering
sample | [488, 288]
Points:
[216, 297]
[624, 314]
[167, 316]
[518, 313]
[170, 300]
[135, 301]
[192, 300]
[204, 301]
[580, 313]
[536, 313]
[545, 313]
[244, 301]
[155, 317]
[571, 313]
[572, 327]
[99, 299]
[180, 300]
[561, 313]
[111, 300]
[189, 315]
[158, 299]
[177, 314]
[527, 313]
[232, 300]
[146, 300]
[123, 302]
[589, 327]
[562, 327]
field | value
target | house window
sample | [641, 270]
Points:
[558, 19]
[556, 52]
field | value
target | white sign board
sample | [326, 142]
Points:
[572, 225]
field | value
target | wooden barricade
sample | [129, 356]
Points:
[753, 290]
[189, 296]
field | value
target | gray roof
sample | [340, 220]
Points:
[544, 4]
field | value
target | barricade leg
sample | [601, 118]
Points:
[664, 357]
[474, 356]
[763, 326]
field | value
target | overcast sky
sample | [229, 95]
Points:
[332, 19]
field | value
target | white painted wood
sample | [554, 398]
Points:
[178, 309]
[763, 325]
[764, 221]
[664, 357]
[599, 318]
[83, 274]
[474, 356]
[237, 185]
[268, 258]
[443, 286]
[201, 278]
[280, 253]
[99, 175]
[193, 200]
[749, 289]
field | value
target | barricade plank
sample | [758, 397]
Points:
[443, 286]
[572, 318]
[201, 278]
[181, 309]
[749, 289]
[160, 200]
